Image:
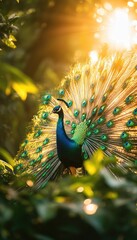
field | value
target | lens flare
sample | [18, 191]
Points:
[119, 29]
[93, 55]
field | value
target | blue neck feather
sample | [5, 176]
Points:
[69, 152]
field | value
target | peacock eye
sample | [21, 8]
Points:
[56, 109]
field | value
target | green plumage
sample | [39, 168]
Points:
[101, 113]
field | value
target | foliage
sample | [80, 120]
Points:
[13, 78]
[97, 206]
[14, 83]
[7, 156]
[10, 19]
[39, 39]
[6, 29]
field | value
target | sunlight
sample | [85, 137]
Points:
[93, 55]
[118, 29]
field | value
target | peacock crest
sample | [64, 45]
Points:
[100, 113]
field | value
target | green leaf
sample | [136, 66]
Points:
[82, 187]
[5, 165]
[7, 156]
[94, 164]
[13, 78]
[9, 41]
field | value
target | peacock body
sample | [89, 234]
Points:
[94, 107]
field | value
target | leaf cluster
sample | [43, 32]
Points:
[97, 206]
[7, 28]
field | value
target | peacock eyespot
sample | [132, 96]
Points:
[61, 92]
[51, 154]
[72, 131]
[18, 167]
[104, 137]
[35, 174]
[46, 141]
[76, 113]
[103, 148]
[39, 149]
[135, 111]
[111, 87]
[46, 98]
[104, 97]
[32, 162]
[92, 125]
[102, 108]
[83, 117]
[125, 84]
[67, 122]
[84, 103]
[88, 122]
[44, 115]
[124, 136]
[110, 124]
[89, 133]
[24, 143]
[92, 99]
[66, 82]
[94, 111]
[129, 99]
[70, 103]
[92, 85]
[85, 156]
[87, 71]
[116, 111]
[96, 131]
[44, 174]
[38, 133]
[48, 166]
[43, 164]
[73, 125]
[24, 154]
[101, 120]
[77, 76]
[39, 158]
[130, 123]
[127, 145]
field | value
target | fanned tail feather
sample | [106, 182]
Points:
[109, 105]
[102, 113]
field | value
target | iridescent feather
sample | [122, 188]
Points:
[102, 113]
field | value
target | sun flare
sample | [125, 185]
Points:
[119, 29]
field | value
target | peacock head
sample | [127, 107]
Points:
[58, 109]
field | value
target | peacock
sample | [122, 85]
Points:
[94, 107]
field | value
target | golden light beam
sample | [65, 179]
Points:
[118, 31]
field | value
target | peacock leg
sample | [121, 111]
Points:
[72, 170]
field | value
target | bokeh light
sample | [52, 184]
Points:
[93, 55]
[118, 32]
[117, 26]
[89, 207]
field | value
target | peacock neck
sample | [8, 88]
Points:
[80, 131]
[61, 133]
[69, 152]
